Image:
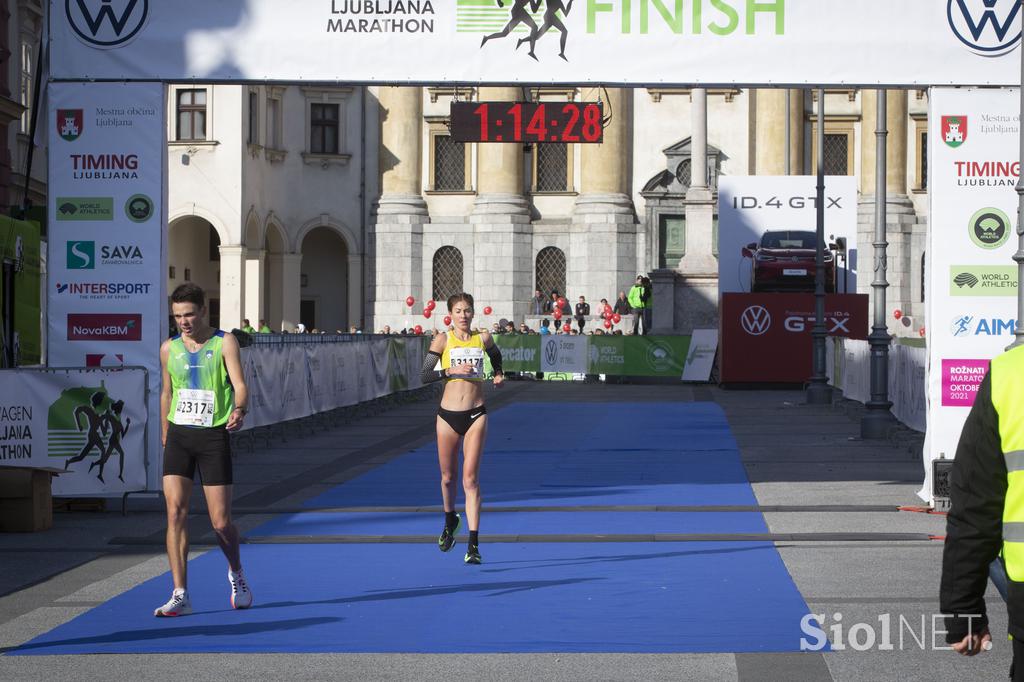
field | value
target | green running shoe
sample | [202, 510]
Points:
[473, 555]
[447, 538]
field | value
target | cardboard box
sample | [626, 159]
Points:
[26, 504]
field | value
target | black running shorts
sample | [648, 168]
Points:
[209, 448]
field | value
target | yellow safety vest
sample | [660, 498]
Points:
[1006, 373]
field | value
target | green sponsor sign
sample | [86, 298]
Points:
[19, 250]
[638, 356]
[519, 353]
[85, 208]
[983, 280]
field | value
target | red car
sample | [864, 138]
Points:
[784, 260]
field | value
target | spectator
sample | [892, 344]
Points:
[646, 297]
[537, 303]
[621, 304]
[510, 327]
[300, 328]
[552, 302]
[582, 312]
[545, 327]
[264, 329]
[386, 329]
[495, 329]
[524, 328]
[247, 326]
[636, 303]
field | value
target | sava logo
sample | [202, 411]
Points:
[106, 23]
[987, 27]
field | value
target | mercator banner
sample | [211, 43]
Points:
[973, 138]
[89, 425]
[638, 42]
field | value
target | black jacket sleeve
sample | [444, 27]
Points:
[428, 374]
[974, 525]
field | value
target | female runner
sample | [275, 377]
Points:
[462, 415]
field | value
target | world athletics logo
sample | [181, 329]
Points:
[986, 27]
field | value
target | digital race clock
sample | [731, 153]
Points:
[527, 121]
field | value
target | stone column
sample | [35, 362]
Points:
[700, 204]
[503, 233]
[899, 210]
[232, 286]
[603, 232]
[396, 246]
[291, 291]
[770, 131]
[355, 291]
[255, 260]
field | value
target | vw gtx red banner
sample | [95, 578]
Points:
[767, 337]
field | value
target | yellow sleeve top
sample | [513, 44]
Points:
[457, 352]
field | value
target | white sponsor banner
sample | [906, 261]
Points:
[701, 356]
[564, 353]
[106, 300]
[769, 42]
[749, 206]
[849, 368]
[973, 140]
[90, 425]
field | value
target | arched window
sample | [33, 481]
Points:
[447, 273]
[551, 270]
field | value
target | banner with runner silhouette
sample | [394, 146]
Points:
[639, 42]
[88, 425]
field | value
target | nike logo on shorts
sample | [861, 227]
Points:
[474, 416]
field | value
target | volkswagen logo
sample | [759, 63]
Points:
[551, 351]
[988, 27]
[106, 23]
[756, 320]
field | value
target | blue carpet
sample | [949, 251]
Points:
[527, 597]
[601, 597]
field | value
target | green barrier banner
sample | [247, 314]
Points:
[638, 356]
[19, 244]
[519, 353]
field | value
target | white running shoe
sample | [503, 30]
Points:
[179, 605]
[241, 595]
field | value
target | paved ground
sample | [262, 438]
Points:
[829, 499]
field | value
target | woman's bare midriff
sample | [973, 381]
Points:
[462, 395]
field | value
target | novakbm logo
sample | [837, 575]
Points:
[988, 27]
[106, 23]
[81, 255]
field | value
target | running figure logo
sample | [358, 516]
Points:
[521, 14]
[78, 424]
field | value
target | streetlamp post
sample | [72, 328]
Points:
[1018, 332]
[818, 390]
[876, 421]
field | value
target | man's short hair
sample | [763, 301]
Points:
[189, 293]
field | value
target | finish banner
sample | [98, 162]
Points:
[637, 42]
[973, 139]
[106, 289]
[89, 425]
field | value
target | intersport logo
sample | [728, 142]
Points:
[990, 28]
[106, 24]
[104, 327]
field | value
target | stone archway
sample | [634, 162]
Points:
[324, 280]
[274, 249]
[193, 255]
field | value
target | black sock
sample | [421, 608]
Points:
[474, 538]
[451, 519]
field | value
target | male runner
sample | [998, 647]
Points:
[203, 397]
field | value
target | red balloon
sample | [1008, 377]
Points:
[557, 314]
[447, 320]
[418, 329]
[607, 324]
[410, 301]
[897, 313]
[607, 309]
[431, 304]
[427, 313]
[488, 310]
[566, 327]
[921, 331]
[561, 302]
[616, 318]
[607, 315]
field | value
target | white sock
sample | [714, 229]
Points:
[179, 592]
